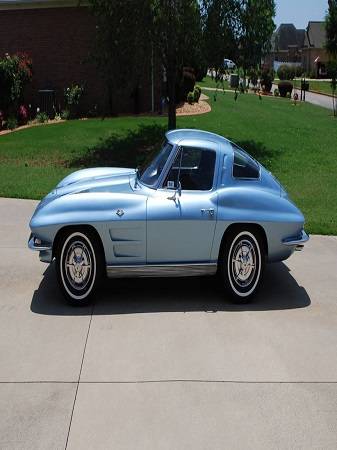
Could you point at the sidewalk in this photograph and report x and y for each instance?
(316, 99)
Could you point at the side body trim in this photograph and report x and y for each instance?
(162, 270)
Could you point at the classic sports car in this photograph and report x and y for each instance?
(203, 206)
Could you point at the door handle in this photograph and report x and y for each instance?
(209, 211)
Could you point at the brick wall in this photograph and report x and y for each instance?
(59, 41)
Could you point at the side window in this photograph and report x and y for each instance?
(244, 166)
(195, 169)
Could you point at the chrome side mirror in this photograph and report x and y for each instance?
(177, 191)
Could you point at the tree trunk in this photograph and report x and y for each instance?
(171, 88)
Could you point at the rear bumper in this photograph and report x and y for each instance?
(297, 242)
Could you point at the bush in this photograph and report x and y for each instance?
(186, 84)
(285, 88)
(42, 117)
(197, 93)
(15, 73)
(72, 97)
(253, 76)
(190, 97)
(65, 114)
(299, 71)
(23, 114)
(11, 122)
(286, 72)
(266, 80)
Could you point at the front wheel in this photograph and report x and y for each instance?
(241, 264)
(78, 266)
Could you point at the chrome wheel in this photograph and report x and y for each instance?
(78, 265)
(244, 262)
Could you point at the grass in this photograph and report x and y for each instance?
(297, 143)
(209, 83)
(321, 86)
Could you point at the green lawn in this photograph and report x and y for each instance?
(298, 143)
(208, 82)
(316, 86)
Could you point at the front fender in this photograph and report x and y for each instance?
(100, 211)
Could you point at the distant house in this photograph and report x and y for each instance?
(286, 46)
(314, 55)
(304, 48)
(58, 35)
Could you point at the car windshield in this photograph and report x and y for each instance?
(152, 172)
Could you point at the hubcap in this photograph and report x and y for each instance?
(243, 265)
(78, 265)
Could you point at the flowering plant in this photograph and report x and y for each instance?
(15, 73)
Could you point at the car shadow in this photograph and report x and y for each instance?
(279, 291)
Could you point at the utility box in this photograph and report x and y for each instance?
(234, 81)
(47, 102)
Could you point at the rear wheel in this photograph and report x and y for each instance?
(241, 264)
(79, 266)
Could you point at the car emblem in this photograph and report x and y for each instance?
(120, 212)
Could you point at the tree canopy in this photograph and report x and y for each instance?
(331, 29)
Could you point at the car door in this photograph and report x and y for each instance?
(181, 225)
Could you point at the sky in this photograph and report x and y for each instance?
(299, 12)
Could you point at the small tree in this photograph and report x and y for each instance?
(331, 46)
(256, 29)
(221, 29)
(176, 32)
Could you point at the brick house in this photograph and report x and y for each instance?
(287, 42)
(58, 35)
(314, 55)
(290, 45)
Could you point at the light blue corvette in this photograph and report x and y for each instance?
(203, 206)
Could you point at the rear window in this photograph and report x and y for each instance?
(244, 166)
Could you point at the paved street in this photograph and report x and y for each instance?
(166, 364)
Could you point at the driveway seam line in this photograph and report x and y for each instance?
(79, 377)
(169, 381)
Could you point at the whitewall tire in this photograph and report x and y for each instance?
(241, 263)
(78, 266)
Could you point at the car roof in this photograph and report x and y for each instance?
(191, 136)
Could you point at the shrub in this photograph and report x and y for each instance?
(72, 97)
(286, 72)
(285, 88)
(299, 71)
(266, 80)
(15, 73)
(65, 114)
(23, 114)
(197, 93)
(253, 76)
(190, 97)
(42, 117)
(186, 84)
(11, 122)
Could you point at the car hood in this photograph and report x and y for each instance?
(100, 179)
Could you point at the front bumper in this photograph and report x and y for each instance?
(297, 241)
(45, 248)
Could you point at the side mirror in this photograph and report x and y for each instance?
(177, 191)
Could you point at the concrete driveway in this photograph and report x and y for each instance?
(166, 364)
